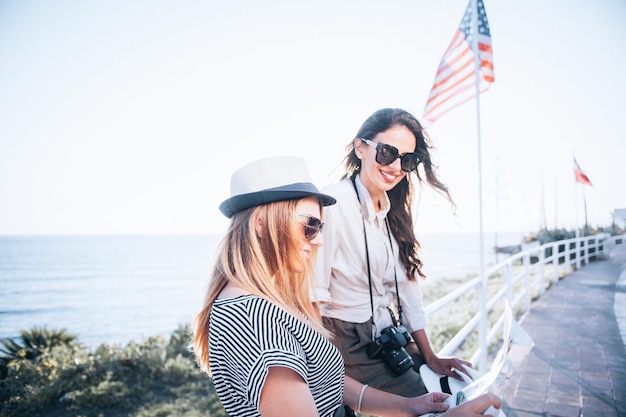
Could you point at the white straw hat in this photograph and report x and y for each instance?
(268, 180)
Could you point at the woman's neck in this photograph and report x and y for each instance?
(232, 291)
(377, 196)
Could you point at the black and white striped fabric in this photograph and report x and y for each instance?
(249, 334)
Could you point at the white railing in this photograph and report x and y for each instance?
(518, 279)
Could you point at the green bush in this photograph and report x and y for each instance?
(47, 373)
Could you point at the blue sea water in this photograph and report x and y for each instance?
(447, 255)
(114, 289)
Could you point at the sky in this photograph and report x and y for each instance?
(130, 116)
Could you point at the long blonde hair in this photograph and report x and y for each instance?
(260, 253)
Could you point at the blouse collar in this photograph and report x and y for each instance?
(367, 204)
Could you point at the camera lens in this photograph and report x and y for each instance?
(398, 360)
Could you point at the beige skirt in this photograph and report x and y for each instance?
(352, 340)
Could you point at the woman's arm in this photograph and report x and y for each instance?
(442, 366)
(285, 393)
(382, 403)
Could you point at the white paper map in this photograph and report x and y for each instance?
(515, 348)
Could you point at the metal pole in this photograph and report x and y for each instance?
(482, 296)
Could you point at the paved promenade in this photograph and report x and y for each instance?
(578, 364)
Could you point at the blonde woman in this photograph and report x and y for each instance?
(258, 335)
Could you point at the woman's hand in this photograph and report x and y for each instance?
(441, 366)
(432, 402)
(381, 403)
(475, 407)
(446, 366)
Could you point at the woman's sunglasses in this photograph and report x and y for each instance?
(312, 227)
(386, 154)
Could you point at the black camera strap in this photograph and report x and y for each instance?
(369, 270)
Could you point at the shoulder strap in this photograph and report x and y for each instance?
(395, 277)
(369, 271)
(367, 258)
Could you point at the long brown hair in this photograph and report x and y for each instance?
(401, 196)
(260, 254)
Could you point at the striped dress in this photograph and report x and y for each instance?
(248, 334)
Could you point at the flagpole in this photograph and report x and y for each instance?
(586, 225)
(577, 224)
(556, 204)
(451, 88)
(577, 228)
(544, 221)
(482, 328)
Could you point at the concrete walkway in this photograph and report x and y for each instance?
(578, 364)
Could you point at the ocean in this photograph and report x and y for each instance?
(117, 289)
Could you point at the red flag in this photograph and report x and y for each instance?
(580, 175)
(455, 80)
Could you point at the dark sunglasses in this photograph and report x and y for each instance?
(386, 154)
(312, 227)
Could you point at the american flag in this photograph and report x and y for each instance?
(580, 175)
(455, 82)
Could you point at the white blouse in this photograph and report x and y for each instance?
(341, 280)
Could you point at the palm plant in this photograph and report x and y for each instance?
(30, 345)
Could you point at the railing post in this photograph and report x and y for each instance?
(482, 326)
(508, 283)
(527, 281)
(555, 261)
(578, 247)
(542, 275)
(582, 249)
(601, 248)
(569, 253)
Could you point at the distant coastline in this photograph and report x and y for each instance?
(118, 288)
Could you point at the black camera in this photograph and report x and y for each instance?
(390, 346)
